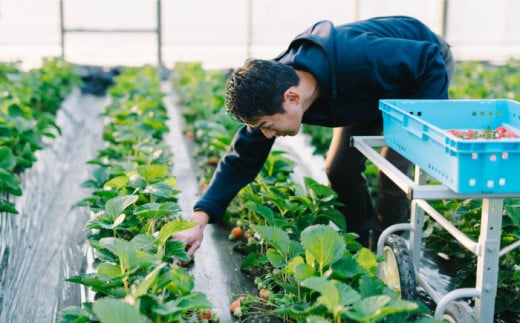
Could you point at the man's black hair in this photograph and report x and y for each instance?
(256, 89)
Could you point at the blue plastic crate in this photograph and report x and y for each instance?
(419, 130)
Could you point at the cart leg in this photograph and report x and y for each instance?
(417, 221)
(488, 258)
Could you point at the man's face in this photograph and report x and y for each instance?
(281, 124)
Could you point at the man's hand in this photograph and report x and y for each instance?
(193, 237)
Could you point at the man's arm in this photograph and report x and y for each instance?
(244, 160)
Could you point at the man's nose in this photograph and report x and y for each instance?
(269, 133)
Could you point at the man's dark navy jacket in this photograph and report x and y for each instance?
(356, 65)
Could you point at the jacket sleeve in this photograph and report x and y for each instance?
(408, 67)
(244, 160)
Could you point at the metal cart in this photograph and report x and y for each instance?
(487, 248)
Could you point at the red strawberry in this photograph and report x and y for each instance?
(236, 233)
(264, 293)
(205, 315)
(213, 161)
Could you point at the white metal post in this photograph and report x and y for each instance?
(488, 258)
(417, 220)
(249, 27)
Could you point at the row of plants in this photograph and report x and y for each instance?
(29, 104)
(304, 269)
(134, 212)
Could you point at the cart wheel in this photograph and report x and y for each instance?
(458, 312)
(397, 268)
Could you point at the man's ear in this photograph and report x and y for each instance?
(291, 96)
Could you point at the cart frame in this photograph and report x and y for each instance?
(487, 248)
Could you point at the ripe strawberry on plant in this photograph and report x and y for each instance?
(235, 307)
(264, 293)
(213, 161)
(204, 315)
(247, 236)
(236, 233)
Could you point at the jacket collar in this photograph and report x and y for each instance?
(321, 34)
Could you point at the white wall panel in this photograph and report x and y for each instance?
(222, 33)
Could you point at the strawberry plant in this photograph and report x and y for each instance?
(479, 80)
(200, 91)
(465, 214)
(316, 276)
(287, 205)
(30, 101)
(320, 138)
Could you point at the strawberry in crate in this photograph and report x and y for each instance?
(497, 133)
